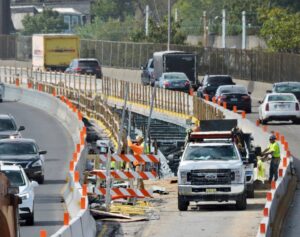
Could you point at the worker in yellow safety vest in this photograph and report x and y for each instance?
(272, 150)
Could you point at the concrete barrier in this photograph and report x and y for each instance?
(72, 193)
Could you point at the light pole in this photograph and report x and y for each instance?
(169, 24)
(244, 30)
(223, 29)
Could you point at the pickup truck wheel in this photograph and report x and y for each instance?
(250, 192)
(30, 220)
(182, 204)
(41, 179)
(241, 202)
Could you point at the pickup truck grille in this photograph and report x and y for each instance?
(211, 177)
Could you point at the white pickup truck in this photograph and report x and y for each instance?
(211, 169)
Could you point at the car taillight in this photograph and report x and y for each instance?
(166, 84)
(297, 106)
(77, 69)
(98, 68)
(267, 107)
(245, 97)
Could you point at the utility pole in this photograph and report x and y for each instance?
(169, 24)
(5, 17)
(147, 21)
(243, 30)
(223, 29)
(205, 30)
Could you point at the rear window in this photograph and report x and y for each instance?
(281, 98)
(287, 88)
(88, 63)
(175, 76)
(15, 177)
(12, 149)
(220, 80)
(239, 90)
(7, 125)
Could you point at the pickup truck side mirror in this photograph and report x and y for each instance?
(21, 128)
(42, 152)
(142, 67)
(260, 102)
(268, 91)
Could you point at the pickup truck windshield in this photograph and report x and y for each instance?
(213, 152)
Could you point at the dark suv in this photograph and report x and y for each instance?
(26, 153)
(147, 75)
(210, 84)
(89, 66)
(8, 127)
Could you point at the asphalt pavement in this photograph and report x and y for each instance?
(53, 137)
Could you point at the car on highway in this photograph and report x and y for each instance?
(26, 153)
(18, 179)
(1, 92)
(8, 127)
(210, 84)
(89, 66)
(147, 75)
(176, 81)
(234, 95)
(280, 107)
(287, 87)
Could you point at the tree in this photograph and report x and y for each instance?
(46, 22)
(158, 33)
(281, 29)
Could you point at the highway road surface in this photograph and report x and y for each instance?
(51, 136)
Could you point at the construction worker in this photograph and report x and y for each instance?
(273, 150)
(138, 149)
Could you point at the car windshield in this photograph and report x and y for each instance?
(288, 88)
(213, 152)
(281, 98)
(175, 77)
(6, 125)
(15, 177)
(88, 63)
(17, 148)
(219, 80)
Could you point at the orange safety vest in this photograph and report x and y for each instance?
(137, 150)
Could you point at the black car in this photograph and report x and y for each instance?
(26, 153)
(287, 87)
(210, 84)
(147, 75)
(89, 66)
(8, 127)
(234, 95)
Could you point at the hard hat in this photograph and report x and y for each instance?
(272, 137)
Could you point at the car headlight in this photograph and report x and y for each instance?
(24, 196)
(14, 136)
(238, 176)
(184, 177)
(37, 163)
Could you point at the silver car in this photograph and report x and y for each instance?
(279, 106)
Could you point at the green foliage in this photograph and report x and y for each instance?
(110, 30)
(113, 9)
(46, 22)
(158, 33)
(281, 29)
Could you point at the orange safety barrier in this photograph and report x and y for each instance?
(266, 212)
(17, 82)
(84, 129)
(225, 105)
(277, 134)
(257, 122)
(40, 87)
(269, 196)
(78, 148)
(43, 233)
(84, 189)
(214, 100)
(206, 97)
(219, 103)
(71, 165)
(234, 109)
(76, 176)
(265, 128)
(280, 172)
(29, 85)
(282, 139)
(79, 115)
(273, 184)
(284, 162)
(262, 228)
(288, 153)
(243, 114)
(75, 156)
(191, 91)
(82, 203)
(286, 145)
(53, 92)
(66, 218)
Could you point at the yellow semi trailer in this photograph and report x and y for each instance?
(54, 51)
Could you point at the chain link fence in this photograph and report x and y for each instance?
(252, 65)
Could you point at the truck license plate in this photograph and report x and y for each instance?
(211, 190)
